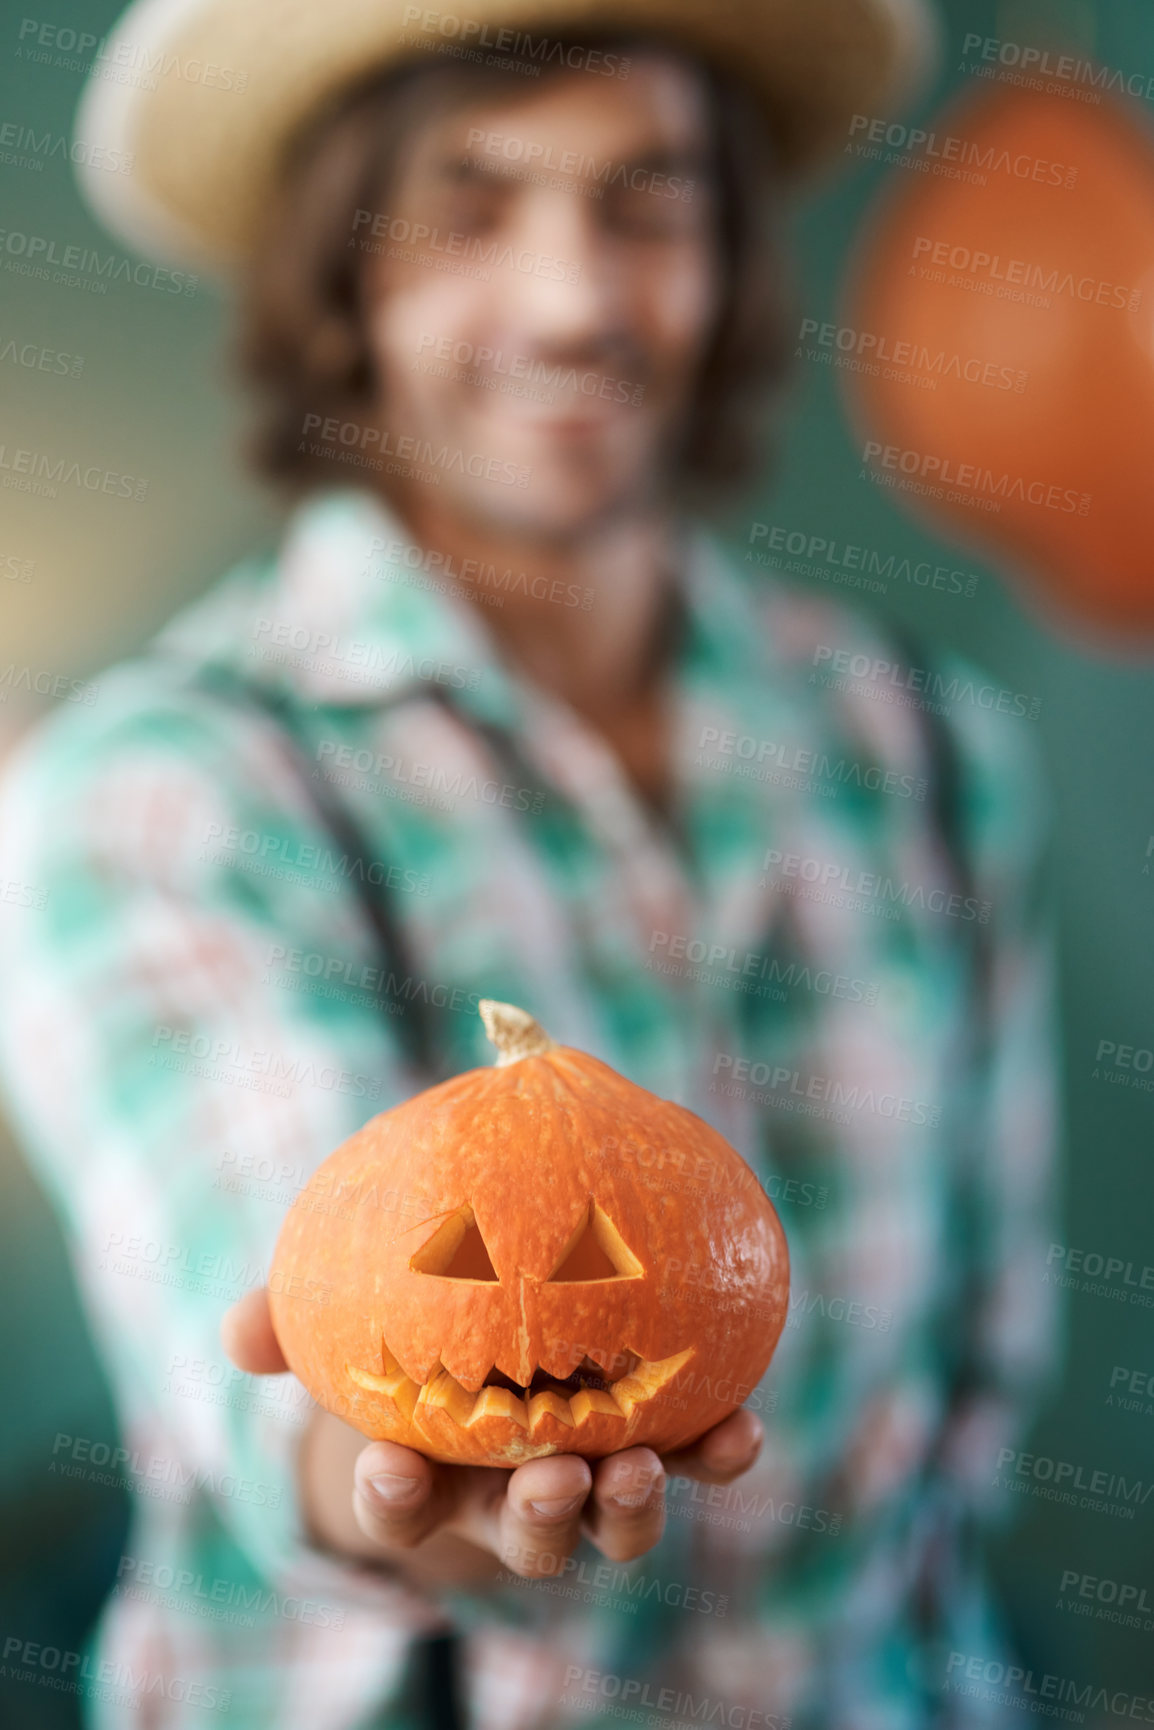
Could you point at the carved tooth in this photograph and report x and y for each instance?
(417, 1373)
(603, 1361)
(629, 1393)
(445, 1391)
(465, 1406)
(405, 1393)
(646, 1380)
(374, 1384)
(591, 1400)
(500, 1403)
(542, 1404)
(398, 1386)
(655, 1374)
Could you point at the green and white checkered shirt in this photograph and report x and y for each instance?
(835, 952)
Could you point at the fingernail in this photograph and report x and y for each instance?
(638, 1491)
(555, 1510)
(396, 1491)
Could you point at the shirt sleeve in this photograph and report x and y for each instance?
(176, 1067)
(1009, 1177)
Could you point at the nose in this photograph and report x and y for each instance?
(564, 290)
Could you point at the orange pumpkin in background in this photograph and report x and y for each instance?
(999, 355)
(534, 1258)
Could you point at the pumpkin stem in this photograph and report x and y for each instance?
(513, 1031)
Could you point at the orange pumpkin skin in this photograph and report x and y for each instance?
(563, 1167)
(1080, 409)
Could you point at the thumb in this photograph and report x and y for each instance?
(246, 1333)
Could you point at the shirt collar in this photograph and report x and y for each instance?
(360, 615)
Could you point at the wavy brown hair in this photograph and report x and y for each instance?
(301, 341)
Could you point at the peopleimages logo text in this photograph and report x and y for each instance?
(1025, 273)
(966, 1672)
(40, 251)
(1038, 64)
(972, 478)
(878, 671)
(545, 50)
(949, 147)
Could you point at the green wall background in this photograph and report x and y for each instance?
(152, 399)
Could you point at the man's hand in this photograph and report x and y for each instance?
(455, 1524)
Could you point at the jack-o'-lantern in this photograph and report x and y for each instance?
(531, 1258)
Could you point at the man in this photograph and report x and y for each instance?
(347, 795)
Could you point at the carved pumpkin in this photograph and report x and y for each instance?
(534, 1258)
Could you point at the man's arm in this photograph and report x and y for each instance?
(172, 1093)
(198, 1100)
(1010, 1174)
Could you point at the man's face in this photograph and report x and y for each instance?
(542, 326)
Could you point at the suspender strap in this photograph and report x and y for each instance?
(436, 1673)
(414, 1025)
(435, 1661)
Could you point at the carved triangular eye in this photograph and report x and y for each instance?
(456, 1250)
(596, 1251)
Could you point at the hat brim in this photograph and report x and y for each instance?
(204, 95)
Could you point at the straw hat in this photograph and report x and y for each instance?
(205, 94)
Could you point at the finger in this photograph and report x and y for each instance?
(723, 1452)
(248, 1337)
(626, 1512)
(399, 1497)
(539, 1519)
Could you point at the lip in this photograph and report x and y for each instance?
(564, 427)
(573, 426)
(570, 420)
(442, 1392)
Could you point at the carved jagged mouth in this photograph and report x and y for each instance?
(571, 1400)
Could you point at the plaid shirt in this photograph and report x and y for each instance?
(194, 1013)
